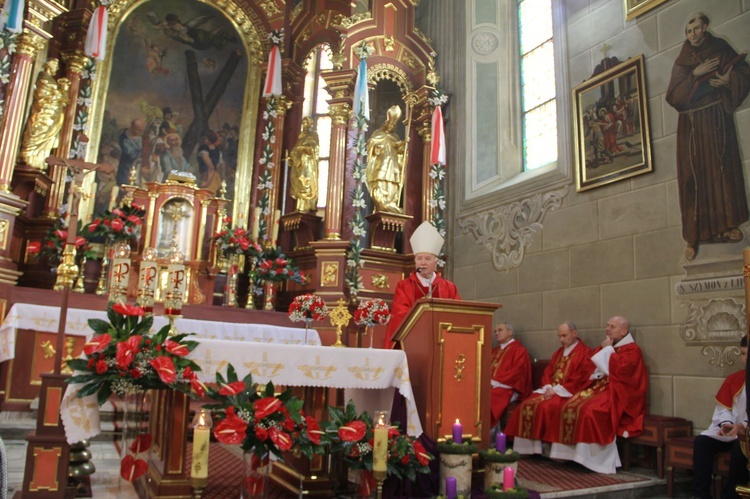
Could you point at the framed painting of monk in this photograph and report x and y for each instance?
(634, 8)
(612, 139)
(174, 87)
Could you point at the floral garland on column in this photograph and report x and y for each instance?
(357, 133)
(7, 49)
(266, 158)
(81, 123)
(437, 173)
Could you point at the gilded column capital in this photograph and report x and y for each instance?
(283, 104)
(424, 130)
(76, 62)
(29, 44)
(340, 113)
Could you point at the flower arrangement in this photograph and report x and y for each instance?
(54, 244)
(451, 447)
(495, 456)
(123, 357)
(123, 224)
(308, 308)
(275, 266)
(371, 312)
(354, 437)
(236, 241)
(261, 421)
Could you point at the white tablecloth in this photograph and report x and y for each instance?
(288, 365)
(46, 318)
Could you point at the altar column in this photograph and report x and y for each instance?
(75, 64)
(428, 183)
(340, 84)
(16, 98)
(282, 106)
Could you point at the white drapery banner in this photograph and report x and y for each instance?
(289, 365)
(46, 319)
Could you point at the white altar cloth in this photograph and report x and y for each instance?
(288, 365)
(46, 318)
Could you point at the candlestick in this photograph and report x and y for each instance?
(458, 431)
(508, 478)
(118, 286)
(500, 442)
(147, 280)
(450, 487)
(175, 290)
(201, 439)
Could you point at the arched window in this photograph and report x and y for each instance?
(315, 106)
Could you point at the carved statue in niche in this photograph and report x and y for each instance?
(386, 163)
(303, 167)
(47, 115)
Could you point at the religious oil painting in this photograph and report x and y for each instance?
(612, 140)
(634, 8)
(174, 99)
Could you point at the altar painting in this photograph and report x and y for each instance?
(176, 88)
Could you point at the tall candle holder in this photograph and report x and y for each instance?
(147, 278)
(101, 285)
(380, 450)
(250, 304)
(176, 282)
(121, 264)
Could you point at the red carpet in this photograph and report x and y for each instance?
(544, 475)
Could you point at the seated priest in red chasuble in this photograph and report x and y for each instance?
(536, 418)
(511, 372)
(425, 281)
(613, 403)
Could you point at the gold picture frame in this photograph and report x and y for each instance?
(635, 8)
(612, 136)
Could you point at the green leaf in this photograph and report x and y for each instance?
(269, 389)
(104, 394)
(91, 388)
(231, 374)
(99, 326)
(159, 337)
(78, 364)
(144, 326)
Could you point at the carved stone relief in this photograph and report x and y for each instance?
(716, 325)
(506, 231)
(485, 43)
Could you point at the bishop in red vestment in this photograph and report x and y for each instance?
(614, 403)
(425, 281)
(511, 371)
(537, 416)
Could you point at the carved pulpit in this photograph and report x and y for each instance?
(449, 347)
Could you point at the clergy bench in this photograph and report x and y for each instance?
(679, 455)
(537, 372)
(657, 431)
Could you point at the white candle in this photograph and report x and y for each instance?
(380, 449)
(256, 223)
(201, 441)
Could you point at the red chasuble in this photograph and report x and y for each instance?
(610, 406)
(730, 388)
(536, 418)
(511, 366)
(410, 290)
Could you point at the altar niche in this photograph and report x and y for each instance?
(178, 81)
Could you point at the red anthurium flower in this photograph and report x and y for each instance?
(62, 234)
(313, 430)
(33, 247)
(230, 430)
(141, 443)
(393, 432)
(175, 348)
(164, 367)
(131, 469)
(80, 241)
(118, 212)
(282, 439)
(232, 388)
(117, 225)
(129, 310)
(353, 431)
(239, 232)
(197, 386)
(101, 367)
(134, 219)
(126, 351)
(93, 225)
(266, 406)
(422, 456)
(97, 343)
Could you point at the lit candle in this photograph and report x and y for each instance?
(118, 288)
(450, 488)
(147, 280)
(380, 450)
(500, 442)
(458, 431)
(508, 478)
(176, 283)
(201, 440)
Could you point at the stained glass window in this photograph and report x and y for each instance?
(537, 83)
(316, 107)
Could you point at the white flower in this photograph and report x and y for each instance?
(433, 203)
(358, 231)
(442, 204)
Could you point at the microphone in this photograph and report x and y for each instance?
(419, 270)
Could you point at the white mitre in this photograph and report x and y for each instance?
(426, 239)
